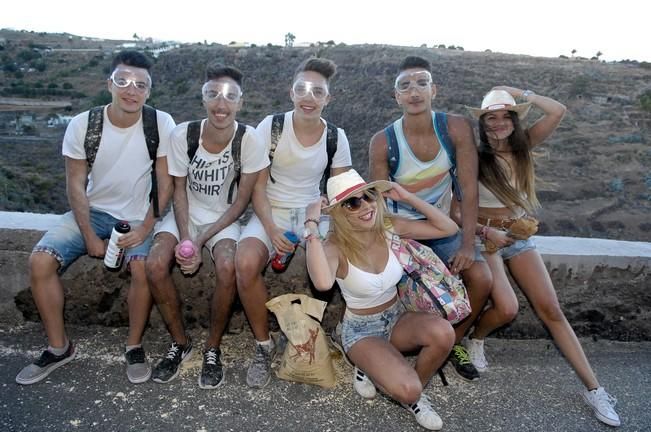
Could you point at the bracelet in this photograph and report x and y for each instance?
(483, 233)
(525, 94)
(316, 221)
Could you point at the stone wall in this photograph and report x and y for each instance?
(603, 287)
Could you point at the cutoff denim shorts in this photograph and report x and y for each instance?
(66, 243)
(518, 247)
(357, 327)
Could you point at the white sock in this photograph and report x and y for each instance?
(269, 343)
(130, 347)
(59, 351)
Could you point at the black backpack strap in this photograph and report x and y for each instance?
(192, 138)
(277, 123)
(236, 150)
(93, 134)
(332, 139)
(150, 127)
(393, 156)
(441, 129)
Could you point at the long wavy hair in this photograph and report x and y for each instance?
(343, 234)
(492, 174)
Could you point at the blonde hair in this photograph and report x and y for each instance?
(343, 234)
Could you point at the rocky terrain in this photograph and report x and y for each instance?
(595, 171)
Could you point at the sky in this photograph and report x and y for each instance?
(542, 28)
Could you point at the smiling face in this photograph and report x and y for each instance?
(310, 94)
(414, 90)
(129, 87)
(498, 125)
(222, 98)
(361, 209)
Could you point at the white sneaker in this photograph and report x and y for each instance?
(363, 385)
(475, 349)
(603, 405)
(425, 414)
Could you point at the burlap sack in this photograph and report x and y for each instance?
(523, 228)
(306, 357)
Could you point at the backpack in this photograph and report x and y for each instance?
(332, 137)
(428, 285)
(192, 137)
(441, 130)
(150, 127)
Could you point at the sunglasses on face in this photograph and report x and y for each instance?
(355, 203)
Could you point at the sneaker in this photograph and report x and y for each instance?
(603, 405)
(475, 348)
(212, 371)
(363, 385)
(463, 367)
(425, 414)
(335, 341)
(138, 369)
(259, 372)
(168, 368)
(44, 365)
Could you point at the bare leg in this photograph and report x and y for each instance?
(157, 266)
(48, 296)
(433, 335)
(504, 307)
(140, 301)
(478, 282)
(528, 269)
(225, 290)
(251, 257)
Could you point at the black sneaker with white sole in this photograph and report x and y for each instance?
(463, 367)
(212, 371)
(45, 365)
(168, 368)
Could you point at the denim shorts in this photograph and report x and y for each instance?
(357, 327)
(515, 249)
(288, 219)
(446, 247)
(66, 243)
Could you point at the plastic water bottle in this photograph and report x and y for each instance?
(114, 254)
(186, 249)
(280, 262)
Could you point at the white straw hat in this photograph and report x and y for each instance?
(496, 100)
(343, 185)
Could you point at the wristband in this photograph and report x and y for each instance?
(316, 221)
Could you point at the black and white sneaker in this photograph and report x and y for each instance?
(44, 365)
(168, 368)
(462, 365)
(212, 371)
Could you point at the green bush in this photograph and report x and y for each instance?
(645, 101)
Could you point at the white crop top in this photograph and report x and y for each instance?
(363, 290)
(487, 199)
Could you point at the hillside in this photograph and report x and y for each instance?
(597, 165)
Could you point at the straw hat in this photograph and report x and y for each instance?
(496, 100)
(342, 186)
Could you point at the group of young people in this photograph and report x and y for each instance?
(429, 182)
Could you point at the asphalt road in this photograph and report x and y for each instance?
(529, 387)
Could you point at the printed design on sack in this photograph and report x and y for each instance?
(208, 177)
(307, 347)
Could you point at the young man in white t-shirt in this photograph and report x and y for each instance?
(204, 181)
(281, 196)
(115, 188)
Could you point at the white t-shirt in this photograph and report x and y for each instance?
(297, 170)
(209, 175)
(119, 181)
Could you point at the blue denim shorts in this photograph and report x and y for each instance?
(357, 327)
(66, 243)
(515, 249)
(446, 247)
